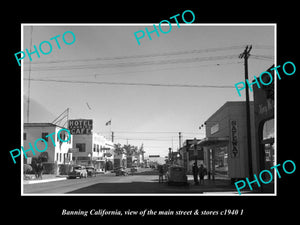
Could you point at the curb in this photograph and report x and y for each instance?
(43, 181)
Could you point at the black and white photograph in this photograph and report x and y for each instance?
(163, 117)
(142, 113)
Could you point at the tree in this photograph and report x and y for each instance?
(130, 150)
(141, 151)
(43, 157)
(118, 149)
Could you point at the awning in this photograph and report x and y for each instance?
(214, 141)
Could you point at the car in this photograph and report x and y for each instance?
(133, 169)
(91, 172)
(176, 175)
(77, 171)
(120, 171)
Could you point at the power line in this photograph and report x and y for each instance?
(155, 132)
(121, 73)
(137, 64)
(132, 84)
(173, 53)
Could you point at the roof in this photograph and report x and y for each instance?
(41, 125)
(214, 141)
(229, 103)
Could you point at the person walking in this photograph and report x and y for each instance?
(202, 173)
(195, 173)
(40, 170)
(160, 174)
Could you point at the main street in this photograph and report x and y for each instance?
(144, 181)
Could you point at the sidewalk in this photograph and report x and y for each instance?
(46, 178)
(209, 186)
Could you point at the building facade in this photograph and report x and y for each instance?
(57, 151)
(264, 112)
(93, 149)
(225, 146)
(188, 155)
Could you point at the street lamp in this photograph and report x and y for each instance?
(170, 156)
(195, 150)
(90, 156)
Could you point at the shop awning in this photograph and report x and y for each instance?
(214, 141)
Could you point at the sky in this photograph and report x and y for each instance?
(143, 93)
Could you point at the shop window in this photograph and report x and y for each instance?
(81, 147)
(221, 161)
(268, 129)
(268, 143)
(44, 136)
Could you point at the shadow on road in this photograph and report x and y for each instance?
(132, 187)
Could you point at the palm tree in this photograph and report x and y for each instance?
(141, 151)
(118, 149)
(130, 150)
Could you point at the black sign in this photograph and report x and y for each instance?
(80, 126)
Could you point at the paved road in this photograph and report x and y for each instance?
(142, 182)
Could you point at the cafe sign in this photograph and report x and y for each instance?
(80, 126)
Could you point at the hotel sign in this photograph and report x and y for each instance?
(80, 126)
(234, 138)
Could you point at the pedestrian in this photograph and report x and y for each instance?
(195, 173)
(202, 173)
(160, 174)
(36, 169)
(40, 170)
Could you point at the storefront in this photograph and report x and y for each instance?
(225, 146)
(264, 123)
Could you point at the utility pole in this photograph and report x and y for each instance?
(179, 140)
(112, 136)
(246, 55)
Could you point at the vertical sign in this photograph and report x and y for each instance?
(234, 138)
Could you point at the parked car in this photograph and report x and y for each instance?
(176, 175)
(120, 171)
(77, 171)
(91, 172)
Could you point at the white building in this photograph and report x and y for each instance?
(93, 149)
(58, 151)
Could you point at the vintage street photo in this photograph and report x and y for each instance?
(149, 109)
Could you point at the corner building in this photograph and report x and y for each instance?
(225, 146)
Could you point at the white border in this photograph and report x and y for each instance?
(150, 24)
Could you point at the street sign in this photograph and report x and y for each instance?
(154, 156)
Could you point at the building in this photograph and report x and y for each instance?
(120, 160)
(264, 123)
(57, 151)
(188, 155)
(225, 149)
(89, 147)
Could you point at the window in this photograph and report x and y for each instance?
(97, 148)
(57, 156)
(94, 149)
(24, 136)
(44, 136)
(268, 129)
(81, 147)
